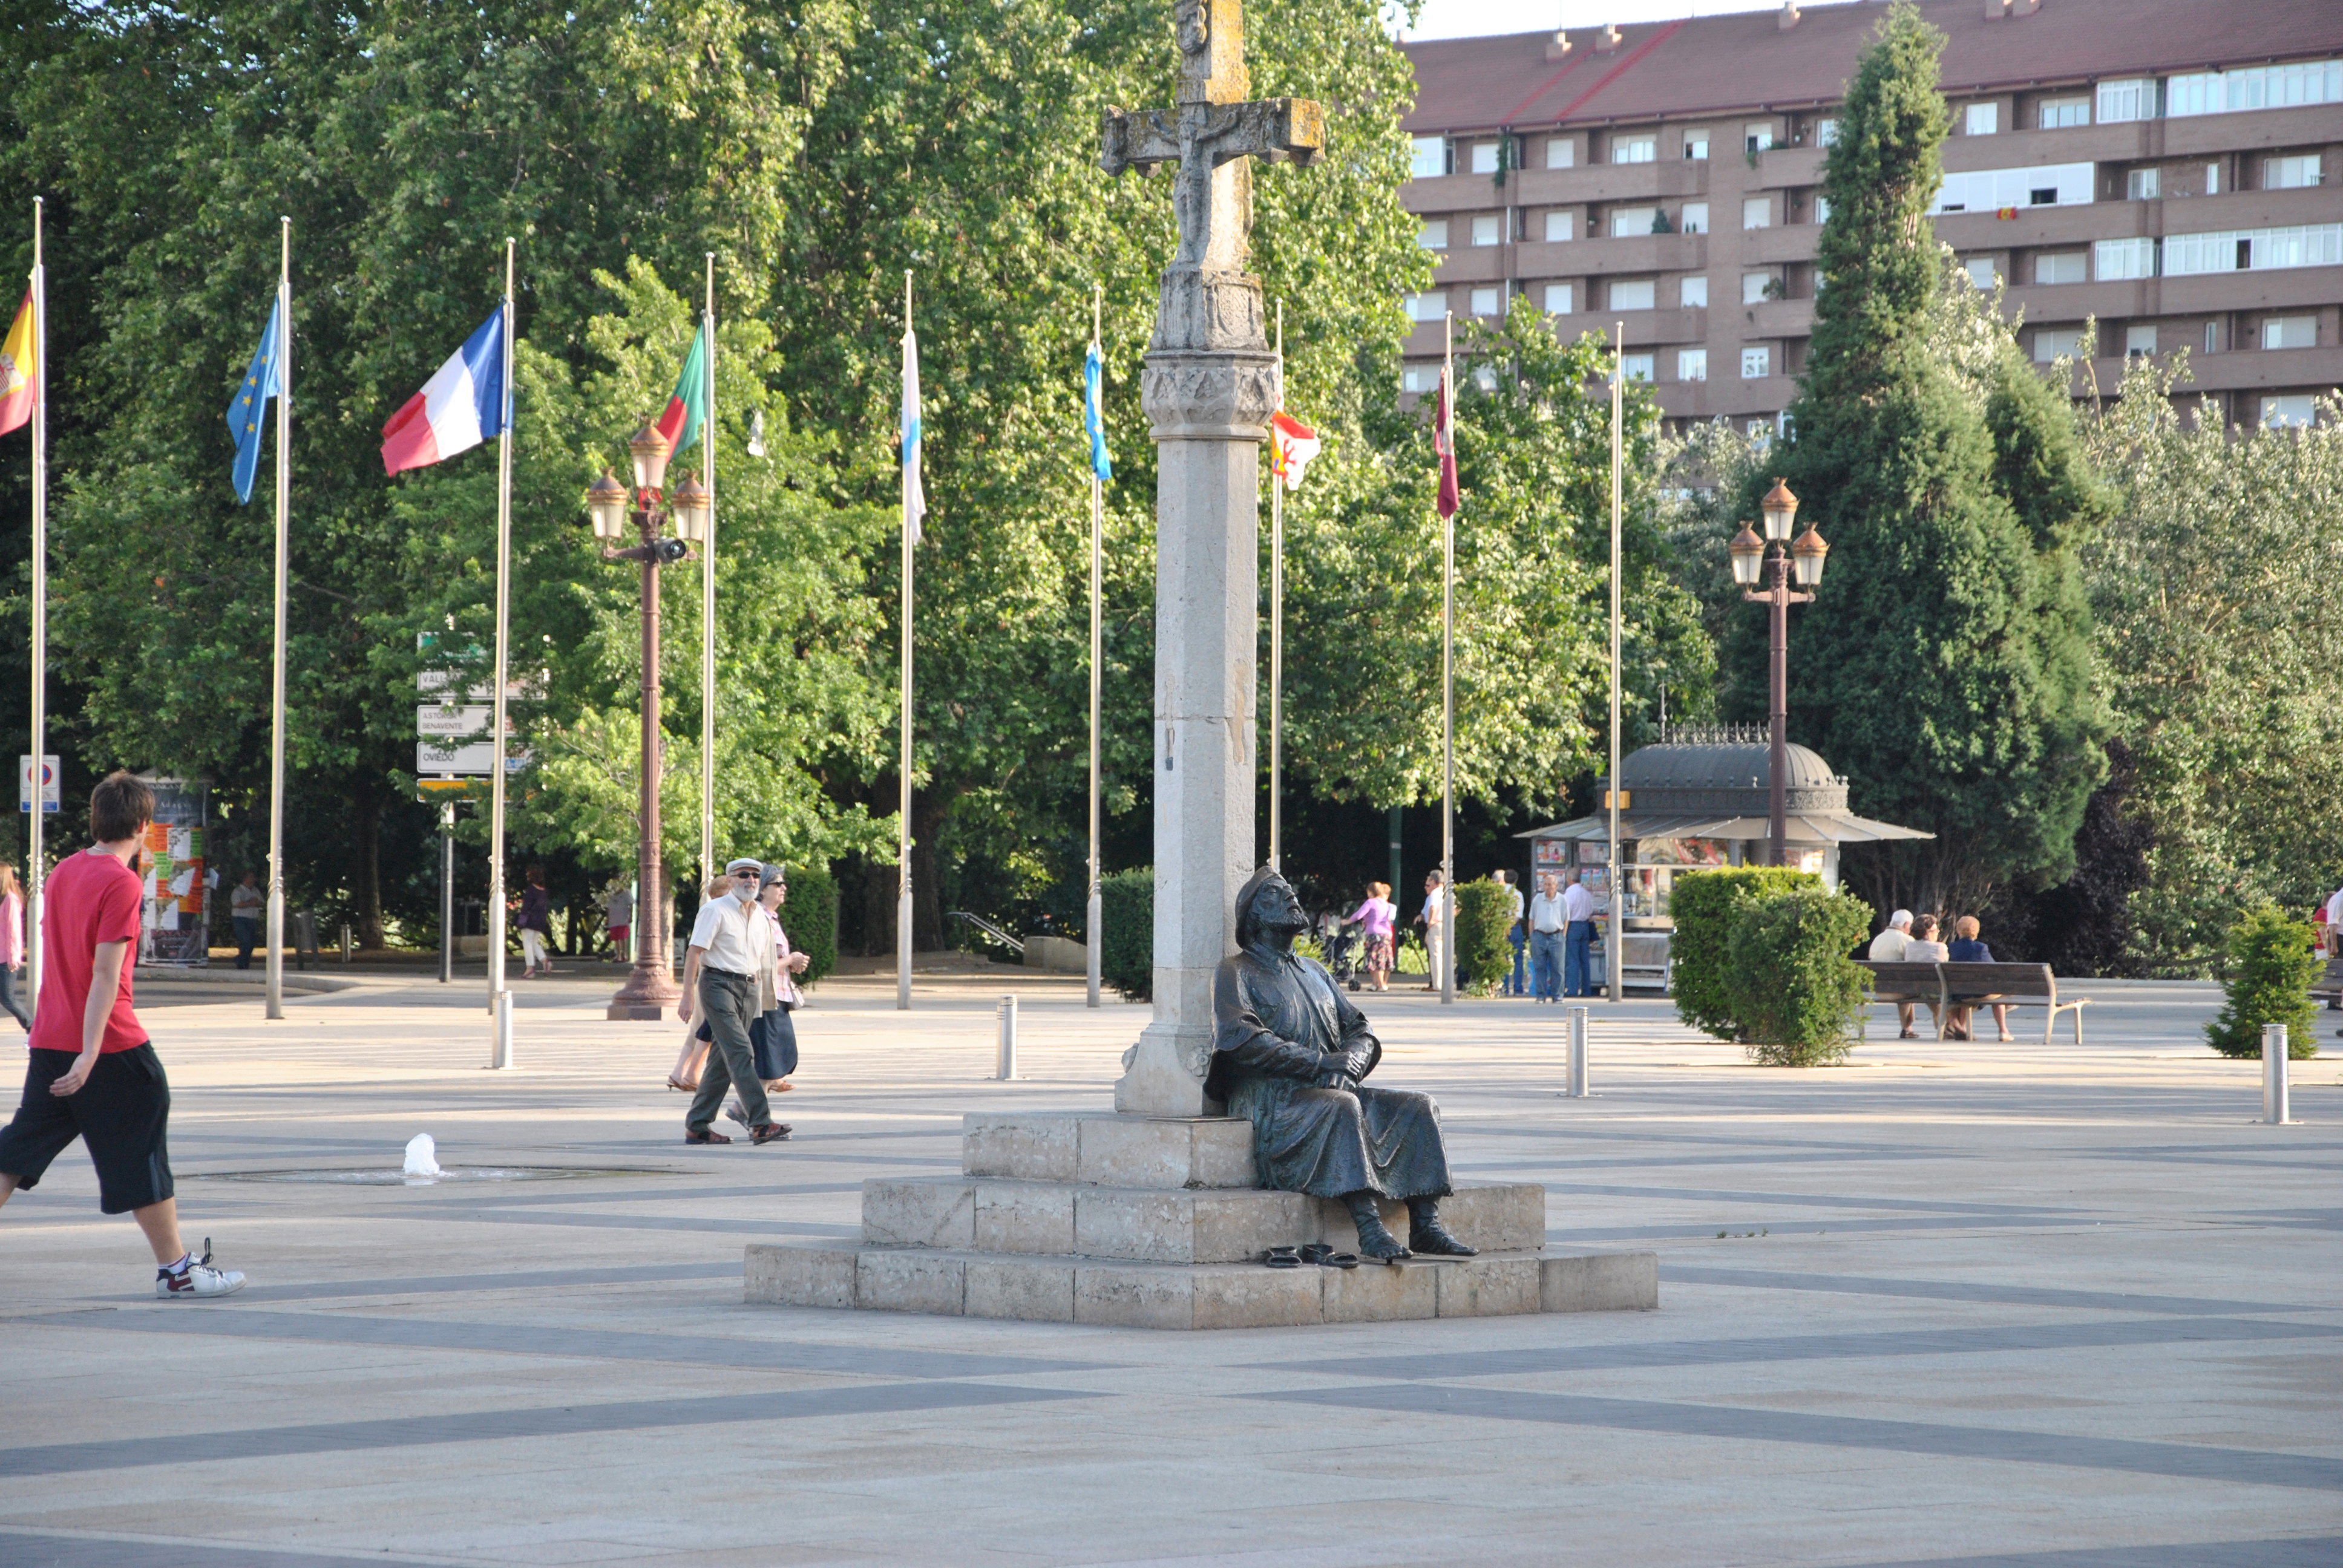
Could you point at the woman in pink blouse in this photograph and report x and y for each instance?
(12, 943)
(1378, 914)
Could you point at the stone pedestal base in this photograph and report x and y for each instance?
(1155, 1222)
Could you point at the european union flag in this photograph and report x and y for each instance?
(249, 410)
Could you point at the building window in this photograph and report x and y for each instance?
(2133, 98)
(2289, 174)
(1822, 209)
(1484, 158)
(1430, 158)
(1430, 306)
(2260, 87)
(2056, 342)
(2212, 337)
(1983, 273)
(1757, 137)
(2058, 114)
(2288, 410)
(1636, 149)
(1990, 190)
(1561, 152)
(1633, 293)
(1692, 293)
(1759, 431)
(1826, 132)
(1486, 377)
(1627, 222)
(1434, 234)
(1419, 378)
(2144, 184)
(1695, 145)
(2115, 260)
(1756, 364)
(1693, 218)
(1756, 212)
(1487, 228)
(1635, 367)
(1755, 287)
(2289, 332)
(1560, 227)
(2212, 179)
(2060, 267)
(1558, 298)
(2139, 342)
(1981, 120)
(1488, 302)
(2253, 250)
(1692, 364)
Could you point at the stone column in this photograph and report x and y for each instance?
(1210, 386)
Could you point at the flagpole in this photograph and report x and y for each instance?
(1447, 955)
(273, 1001)
(500, 999)
(35, 876)
(1277, 621)
(1614, 941)
(903, 835)
(707, 597)
(1093, 909)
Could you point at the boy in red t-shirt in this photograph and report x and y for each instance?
(93, 1074)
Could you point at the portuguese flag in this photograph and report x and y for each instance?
(687, 406)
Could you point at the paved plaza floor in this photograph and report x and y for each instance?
(1978, 1304)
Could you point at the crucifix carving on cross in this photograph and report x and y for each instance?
(1208, 301)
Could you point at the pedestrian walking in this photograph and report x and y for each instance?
(93, 1073)
(724, 972)
(686, 1076)
(773, 1036)
(244, 905)
(1515, 933)
(619, 918)
(1434, 930)
(1578, 937)
(1549, 926)
(1888, 947)
(536, 924)
(12, 943)
(1379, 917)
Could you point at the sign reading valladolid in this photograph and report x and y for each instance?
(454, 713)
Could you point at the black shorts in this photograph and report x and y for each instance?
(120, 1114)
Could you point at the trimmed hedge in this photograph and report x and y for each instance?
(1484, 915)
(810, 919)
(1127, 937)
(1796, 993)
(2267, 979)
(1701, 904)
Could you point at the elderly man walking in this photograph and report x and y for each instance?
(728, 968)
(1548, 924)
(1888, 947)
(1578, 939)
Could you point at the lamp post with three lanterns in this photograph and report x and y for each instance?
(650, 988)
(1803, 558)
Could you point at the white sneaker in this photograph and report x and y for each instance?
(198, 1279)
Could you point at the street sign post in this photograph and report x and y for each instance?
(50, 799)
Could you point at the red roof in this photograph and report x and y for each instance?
(1747, 61)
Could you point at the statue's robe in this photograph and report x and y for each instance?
(1275, 1017)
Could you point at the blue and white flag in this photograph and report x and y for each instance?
(249, 412)
(1093, 418)
(915, 499)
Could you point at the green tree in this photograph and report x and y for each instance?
(2266, 980)
(1946, 666)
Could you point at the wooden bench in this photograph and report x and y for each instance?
(1950, 985)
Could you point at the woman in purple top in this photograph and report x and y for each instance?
(1378, 914)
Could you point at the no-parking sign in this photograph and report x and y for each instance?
(49, 797)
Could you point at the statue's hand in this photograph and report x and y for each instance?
(1334, 1070)
(1357, 1062)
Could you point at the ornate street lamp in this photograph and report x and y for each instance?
(650, 987)
(1750, 556)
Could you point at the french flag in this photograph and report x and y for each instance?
(460, 406)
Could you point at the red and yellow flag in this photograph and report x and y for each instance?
(20, 369)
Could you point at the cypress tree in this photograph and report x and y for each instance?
(1945, 667)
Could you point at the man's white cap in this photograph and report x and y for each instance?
(1900, 918)
(750, 864)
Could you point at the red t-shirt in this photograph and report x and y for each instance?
(88, 900)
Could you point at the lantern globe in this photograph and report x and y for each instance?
(1748, 554)
(1806, 558)
(651, 452)
(691, 505)
(606, 507)
(1781, 510)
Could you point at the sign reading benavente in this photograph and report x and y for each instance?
(453, 719)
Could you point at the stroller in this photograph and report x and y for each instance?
(1342, 952)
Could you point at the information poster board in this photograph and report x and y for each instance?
(175, 929)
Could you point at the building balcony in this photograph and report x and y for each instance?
(1787, 168)
(1726, 397)
(1609, 257)
(1793, 242)
(2245, 370)
(2145, 141)
(2149, 298)
(1611, 182)
(1444, 193)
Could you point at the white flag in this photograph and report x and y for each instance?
(915, 499)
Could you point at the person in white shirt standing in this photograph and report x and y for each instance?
(1888, 947)
(1548, 924)
(728, 967)
(1578, 939)
(1515, 934)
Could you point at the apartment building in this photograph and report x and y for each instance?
(2170, 168)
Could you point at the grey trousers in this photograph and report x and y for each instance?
(726, 1003)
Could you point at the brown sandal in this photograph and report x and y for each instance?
(772, 1132)
(705, 1135)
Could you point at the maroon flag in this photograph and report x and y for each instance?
(1443, 441)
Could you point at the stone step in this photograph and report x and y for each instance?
(1143, 1225)
(1110, 1149)
(1071, 1290)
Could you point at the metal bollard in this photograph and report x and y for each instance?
(346, 941)
(1577, 1053)
(1008, 1039)
(2274, 1075)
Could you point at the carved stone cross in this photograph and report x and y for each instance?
(1208, 302)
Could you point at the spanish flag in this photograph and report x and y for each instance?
(20, 370)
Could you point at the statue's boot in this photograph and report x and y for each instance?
(1375, 1240)
(1427, 1235)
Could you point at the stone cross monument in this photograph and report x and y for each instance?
(1210, 386)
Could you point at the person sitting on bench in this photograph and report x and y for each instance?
(1966, 950)
(1923, 948)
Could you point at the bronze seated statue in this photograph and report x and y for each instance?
(1290, 1054)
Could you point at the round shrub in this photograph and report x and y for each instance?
(810, 918)
(1701, 905)
(1127, 933)
(2267, 980)
(1485, 914)
(1796, 993)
